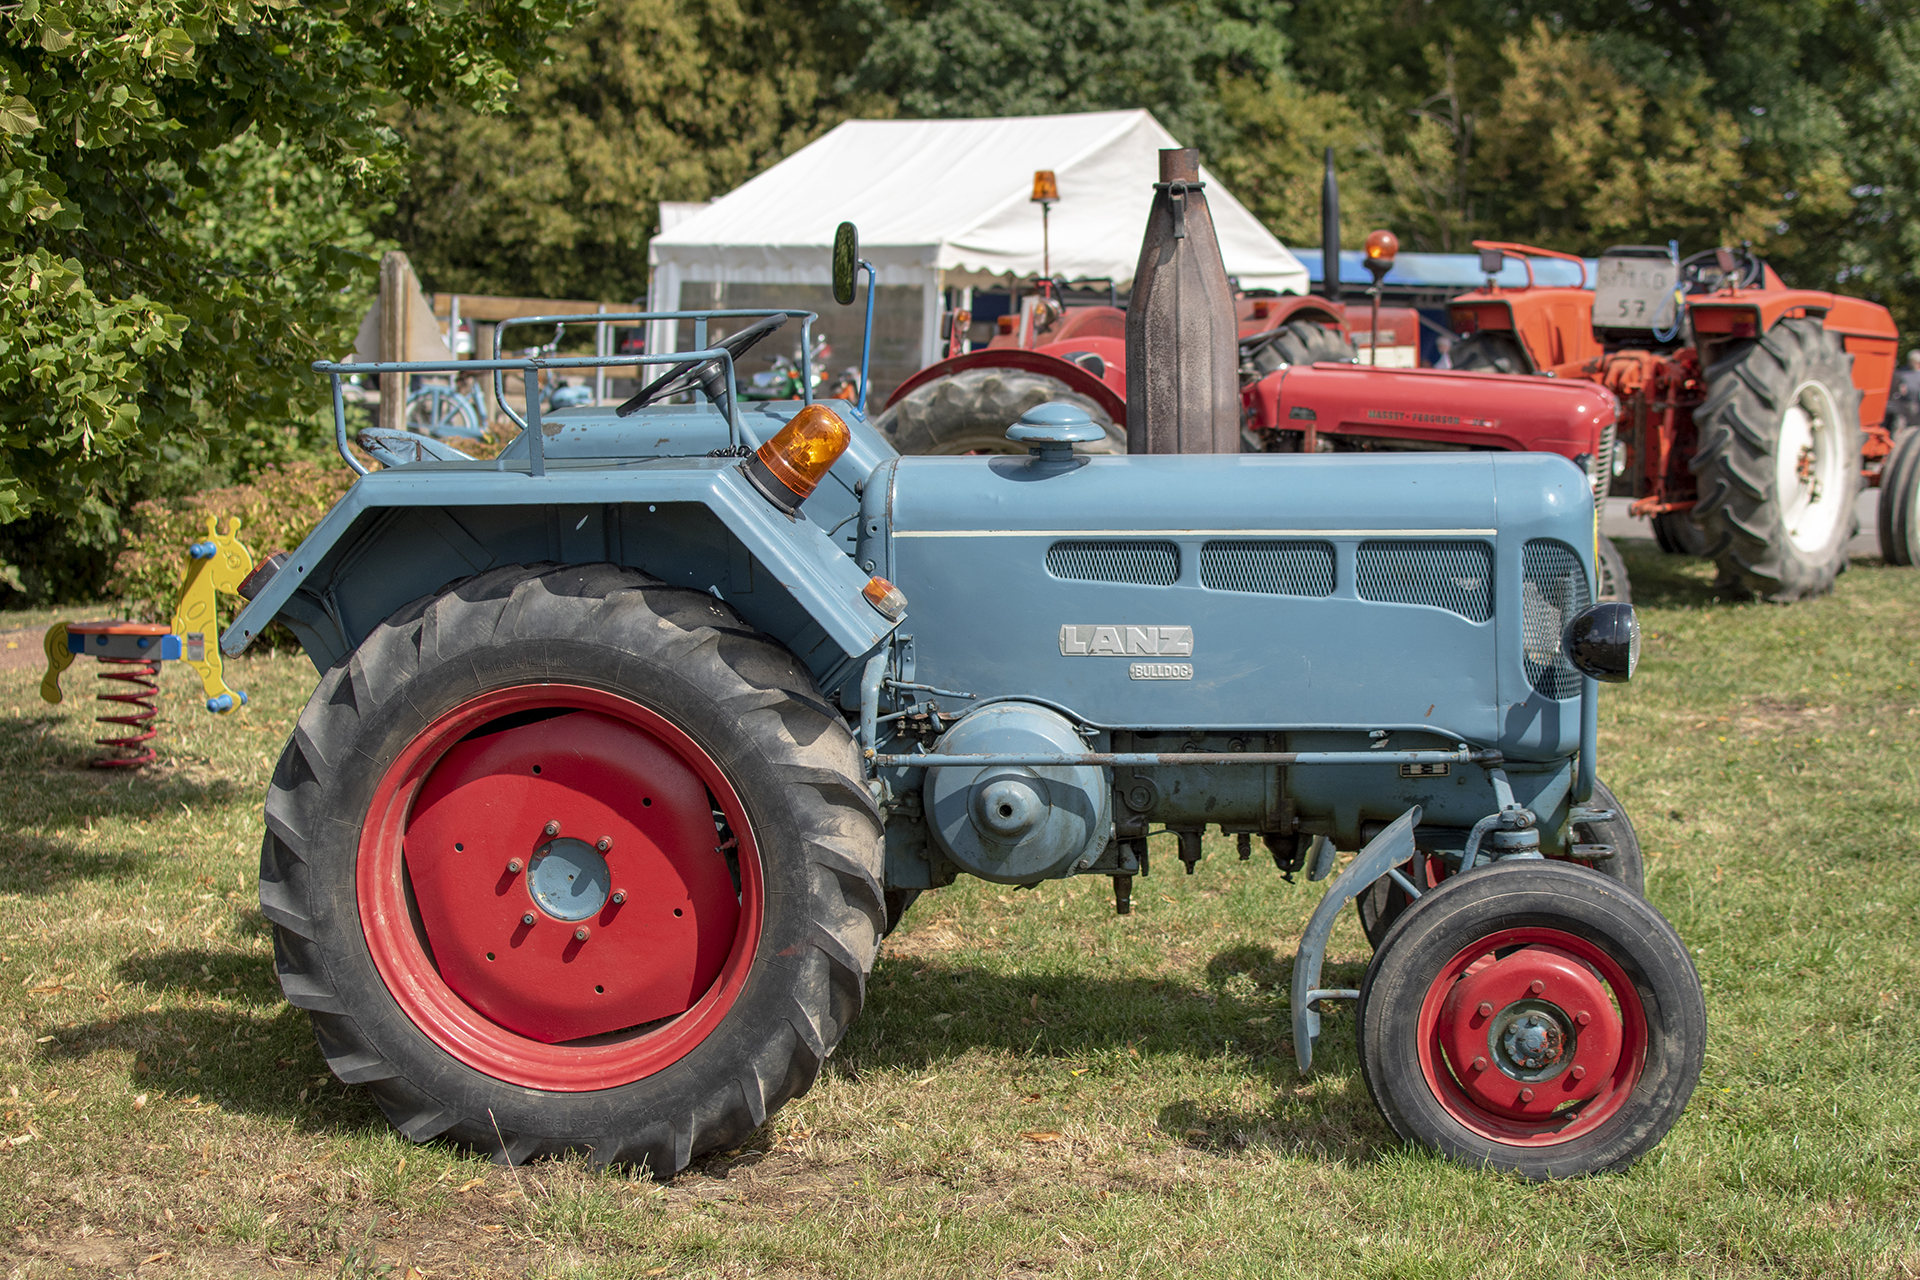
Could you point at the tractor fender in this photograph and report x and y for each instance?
(399, 535)
(1075, 377)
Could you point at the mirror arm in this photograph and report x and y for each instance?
(866, 336)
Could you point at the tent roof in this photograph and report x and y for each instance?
(952, 195)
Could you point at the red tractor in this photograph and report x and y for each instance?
(1053, 348)
(1750, 413)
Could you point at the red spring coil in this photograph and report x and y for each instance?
(143, 674)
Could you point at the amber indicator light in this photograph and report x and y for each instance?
(803, 451)
(885, 597)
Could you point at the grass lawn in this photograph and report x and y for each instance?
(1037, 1086)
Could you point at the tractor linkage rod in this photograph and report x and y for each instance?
(1122, 759)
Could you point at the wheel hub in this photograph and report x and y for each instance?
(554, 935)
(1531, 1033)
(1809, 470)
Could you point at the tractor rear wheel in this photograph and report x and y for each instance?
(1678, 535)
(1380, 903)
(562, 858)
(1491, 351)
(1532, 1017)
(1778, 461)
(1900, 501)
(970, 411)
(1296, 342)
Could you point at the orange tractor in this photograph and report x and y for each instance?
(1751, 413)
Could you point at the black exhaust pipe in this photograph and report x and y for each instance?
(1330, 233)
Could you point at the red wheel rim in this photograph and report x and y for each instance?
(1505, 1050)
(442, 906)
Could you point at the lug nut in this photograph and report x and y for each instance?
(1583, 1017)
(619, 896)
(604, 843)
(553, 828)
(1526, 1095)
(1479, 1064)
(514, 866)
(527, 918)
(1536, 986)
(1486, 1009)
(1579, 1073)
(580, 934)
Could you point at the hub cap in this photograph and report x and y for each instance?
(1532, 1036)
(559, 887)
(1810, 471)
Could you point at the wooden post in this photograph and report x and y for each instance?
(396, 300)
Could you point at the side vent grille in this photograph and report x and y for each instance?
(1270, 568)
(1553, 587)
(1455, 576)
(1147, 564)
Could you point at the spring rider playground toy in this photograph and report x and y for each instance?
(131, 652)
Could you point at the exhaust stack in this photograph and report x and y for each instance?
(1182, 343)
(1330, 233)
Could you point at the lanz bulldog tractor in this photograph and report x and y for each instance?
(632, 744)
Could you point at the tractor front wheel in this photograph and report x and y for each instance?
(562, 858)
(970, 411)
(1778, 461)
(1535, 1018)
(1899, 518)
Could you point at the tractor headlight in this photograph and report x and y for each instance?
(1603, 641)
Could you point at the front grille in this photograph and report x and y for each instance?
(1553, 587)
(1148, 564)
(1455, 576)
(1270, 568)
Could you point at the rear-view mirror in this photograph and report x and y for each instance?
(846, 262)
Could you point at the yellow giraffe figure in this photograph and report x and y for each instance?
(220, 563)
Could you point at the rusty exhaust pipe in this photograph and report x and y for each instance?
(1183, 395)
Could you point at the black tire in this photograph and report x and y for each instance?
(1381, 903)
(1491, 351)
(1296, 342)
(1614, 583)
(741, 699)
(1778, 526)
(970, 411)
(1899, 517)
(1581, 933)
(1678, 535)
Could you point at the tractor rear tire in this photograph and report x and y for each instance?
(1491, 352)
(1678, 535)
(970, 411)
(1899, 519)
(1297, 342)
(1534, 1018)
(1778, 461)
(630, 692)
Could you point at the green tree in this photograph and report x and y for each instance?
(180, 192)
(646, 100)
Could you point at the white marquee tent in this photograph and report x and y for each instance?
(945, 204)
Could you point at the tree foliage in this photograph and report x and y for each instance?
(184, 187)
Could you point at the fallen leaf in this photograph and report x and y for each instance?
(468, 1186)
(485, 1227)
(414, 1273)
(270, 1219)
(139, 1101)
(43, 1040)
(401, 1167)
(921, 1084)
(1196, 1133)
(1041, 1135)
(655, 1271)
(1080, 1072)
(156, 1257)
(21, 1140)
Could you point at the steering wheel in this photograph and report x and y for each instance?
(707, 375)
(1702, 273)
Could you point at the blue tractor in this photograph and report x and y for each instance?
(632, 744)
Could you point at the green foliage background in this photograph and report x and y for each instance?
(193, 192)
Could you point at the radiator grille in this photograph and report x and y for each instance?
(1152, 564)
(1270, 568)
(1553, 587)
(1455, 576)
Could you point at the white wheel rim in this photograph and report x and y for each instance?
(1809, 468)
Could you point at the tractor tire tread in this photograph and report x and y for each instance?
(772, 698)
(970, 411)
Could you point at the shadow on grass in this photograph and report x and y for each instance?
(1662, 581)
(922, 1014)
(237, 1042)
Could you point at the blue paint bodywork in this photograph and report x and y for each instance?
(1373, 636)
